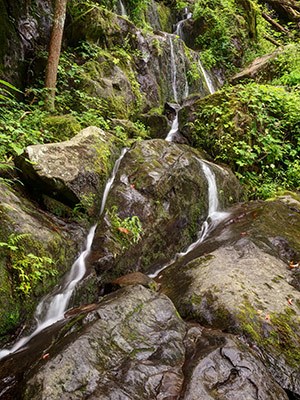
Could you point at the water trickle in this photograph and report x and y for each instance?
(173, 70)
(52, 308)
(213, 218)
(207, 78)
(122, 8)
(174, 129)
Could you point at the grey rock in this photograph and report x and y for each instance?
(72, 171)
(133, 350)
(220, 366)
(240, 283)
(163, 184)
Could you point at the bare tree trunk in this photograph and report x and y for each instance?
(54, 51)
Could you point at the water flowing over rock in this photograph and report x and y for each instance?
(133, 349)
(133, 345)
(72, 171)
(164, 186)
(246, 281)
(24, 226)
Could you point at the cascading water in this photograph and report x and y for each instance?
(173, 70)
(122, 8)
(52, 308)
(208, 81)
(174, 129)
(213, 218)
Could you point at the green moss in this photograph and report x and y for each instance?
(276, 333)
(56, 207)
(62, 127)
(164, 15)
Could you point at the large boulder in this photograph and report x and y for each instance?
(156, 207)
(36, 250)
(72, 172)
(132, 349)
(134, 345)
(246, 280)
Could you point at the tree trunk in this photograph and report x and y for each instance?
(54, 51)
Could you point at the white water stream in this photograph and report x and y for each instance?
(174, 129)
(173, 70)
(213, 218)
(208, 81)
(52, 308)
(122, 8)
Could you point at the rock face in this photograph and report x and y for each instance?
(163, 186)
(26, 234)
(132, 350)
(220, 366)
(243, 283)
(129, 78)
(135, 346)
(24, 27)
(73, 171)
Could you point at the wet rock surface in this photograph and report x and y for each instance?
(220, 366)
(131, 345)
(132, 350)
(26, 229)
(165, 187)
(243, 283)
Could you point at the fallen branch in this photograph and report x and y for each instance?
(275, 24)
(273, 41)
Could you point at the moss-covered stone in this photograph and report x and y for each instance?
(63, 127)
(29, 236)
(73, 172)
(165, 187)
(242, 283)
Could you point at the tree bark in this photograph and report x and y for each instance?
(54, 51)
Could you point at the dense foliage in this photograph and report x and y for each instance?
(256, 130)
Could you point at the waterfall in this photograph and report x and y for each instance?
(52, 308)
(122, 8)
(178, 30)
(207, 78)
(173, 70)
(213, 218)
(174, 129)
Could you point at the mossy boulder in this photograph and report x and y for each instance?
(31, 240)
(134, 345)
(129, 75)
(244, 281)
(62, 127)
(155, 208)
(70, 172)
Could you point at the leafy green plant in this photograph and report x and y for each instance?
(231, 31)
(127, 231)
(6, 90)
(85, 206)
(28, 269)
(256, 130)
